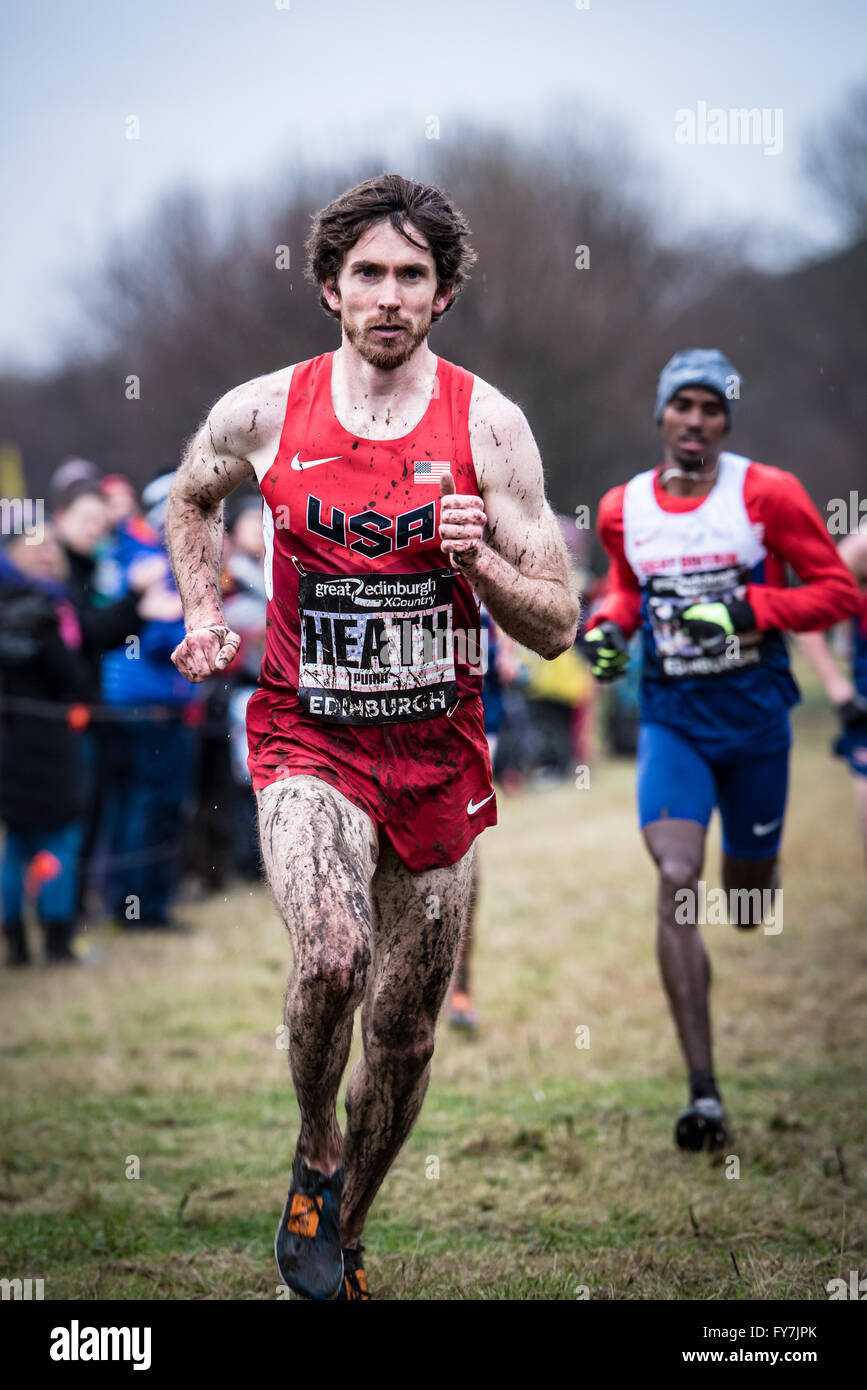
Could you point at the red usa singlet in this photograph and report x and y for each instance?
(368, 622)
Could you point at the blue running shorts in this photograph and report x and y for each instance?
(678, 780)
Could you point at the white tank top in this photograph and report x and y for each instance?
(712, 536)
(682, 558)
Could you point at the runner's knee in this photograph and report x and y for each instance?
(335, 975)
(747, 874)
(677, 870)
(403, 1054)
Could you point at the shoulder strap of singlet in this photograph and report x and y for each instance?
(455, 385)
(638, 493)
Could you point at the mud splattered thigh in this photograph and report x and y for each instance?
(320, 854)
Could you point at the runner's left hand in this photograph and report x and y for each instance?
(607, 651)
(709, 624)
(462, 523)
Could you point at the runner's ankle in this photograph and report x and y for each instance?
(702, 1085)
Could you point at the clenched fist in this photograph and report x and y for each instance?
(206, 650)
(462, 523)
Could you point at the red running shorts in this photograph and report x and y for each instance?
(426, 785)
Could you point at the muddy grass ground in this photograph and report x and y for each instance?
(556, 1167)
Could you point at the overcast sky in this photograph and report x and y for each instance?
(232, 93)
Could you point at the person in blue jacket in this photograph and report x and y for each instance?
(151, 741)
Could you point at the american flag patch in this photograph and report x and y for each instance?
(430, 470)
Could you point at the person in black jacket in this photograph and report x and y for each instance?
(82, 521)
(40, 670)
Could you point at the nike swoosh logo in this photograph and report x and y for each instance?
(473, 806)
(311, 463)
(766, 829)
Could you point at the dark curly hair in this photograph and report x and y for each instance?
(338, 227)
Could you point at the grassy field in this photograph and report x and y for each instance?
(557, 1170)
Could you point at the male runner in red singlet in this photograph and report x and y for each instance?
(698, 548)
(397, 488)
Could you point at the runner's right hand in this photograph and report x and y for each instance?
(607, 650)
(206, 650)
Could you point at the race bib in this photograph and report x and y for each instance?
(376, 648)
(668, 596)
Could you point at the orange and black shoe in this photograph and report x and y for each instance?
(307, 1244)
(354, 1277)
(462, 1010)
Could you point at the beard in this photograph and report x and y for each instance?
(689, 461)
(386, 355)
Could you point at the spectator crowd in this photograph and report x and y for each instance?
(106, 750)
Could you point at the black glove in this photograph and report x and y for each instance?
(607, 651)
(854, 713)
(710, 624)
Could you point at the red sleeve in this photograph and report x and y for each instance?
(794, 534)
(622, 602)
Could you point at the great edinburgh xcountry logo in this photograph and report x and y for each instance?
(373, 593)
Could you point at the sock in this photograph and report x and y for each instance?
(702, 1086)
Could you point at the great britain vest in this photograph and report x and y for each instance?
(680, 558)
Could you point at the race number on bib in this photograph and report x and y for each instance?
(376, 648)
(668, 596)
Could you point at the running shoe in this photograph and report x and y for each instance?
(307, 1244)
(354, 1278)
(462, 1010)
(702, 1125)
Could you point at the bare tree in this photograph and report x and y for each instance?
(836, 162)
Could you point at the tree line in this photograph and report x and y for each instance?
(574, 305)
